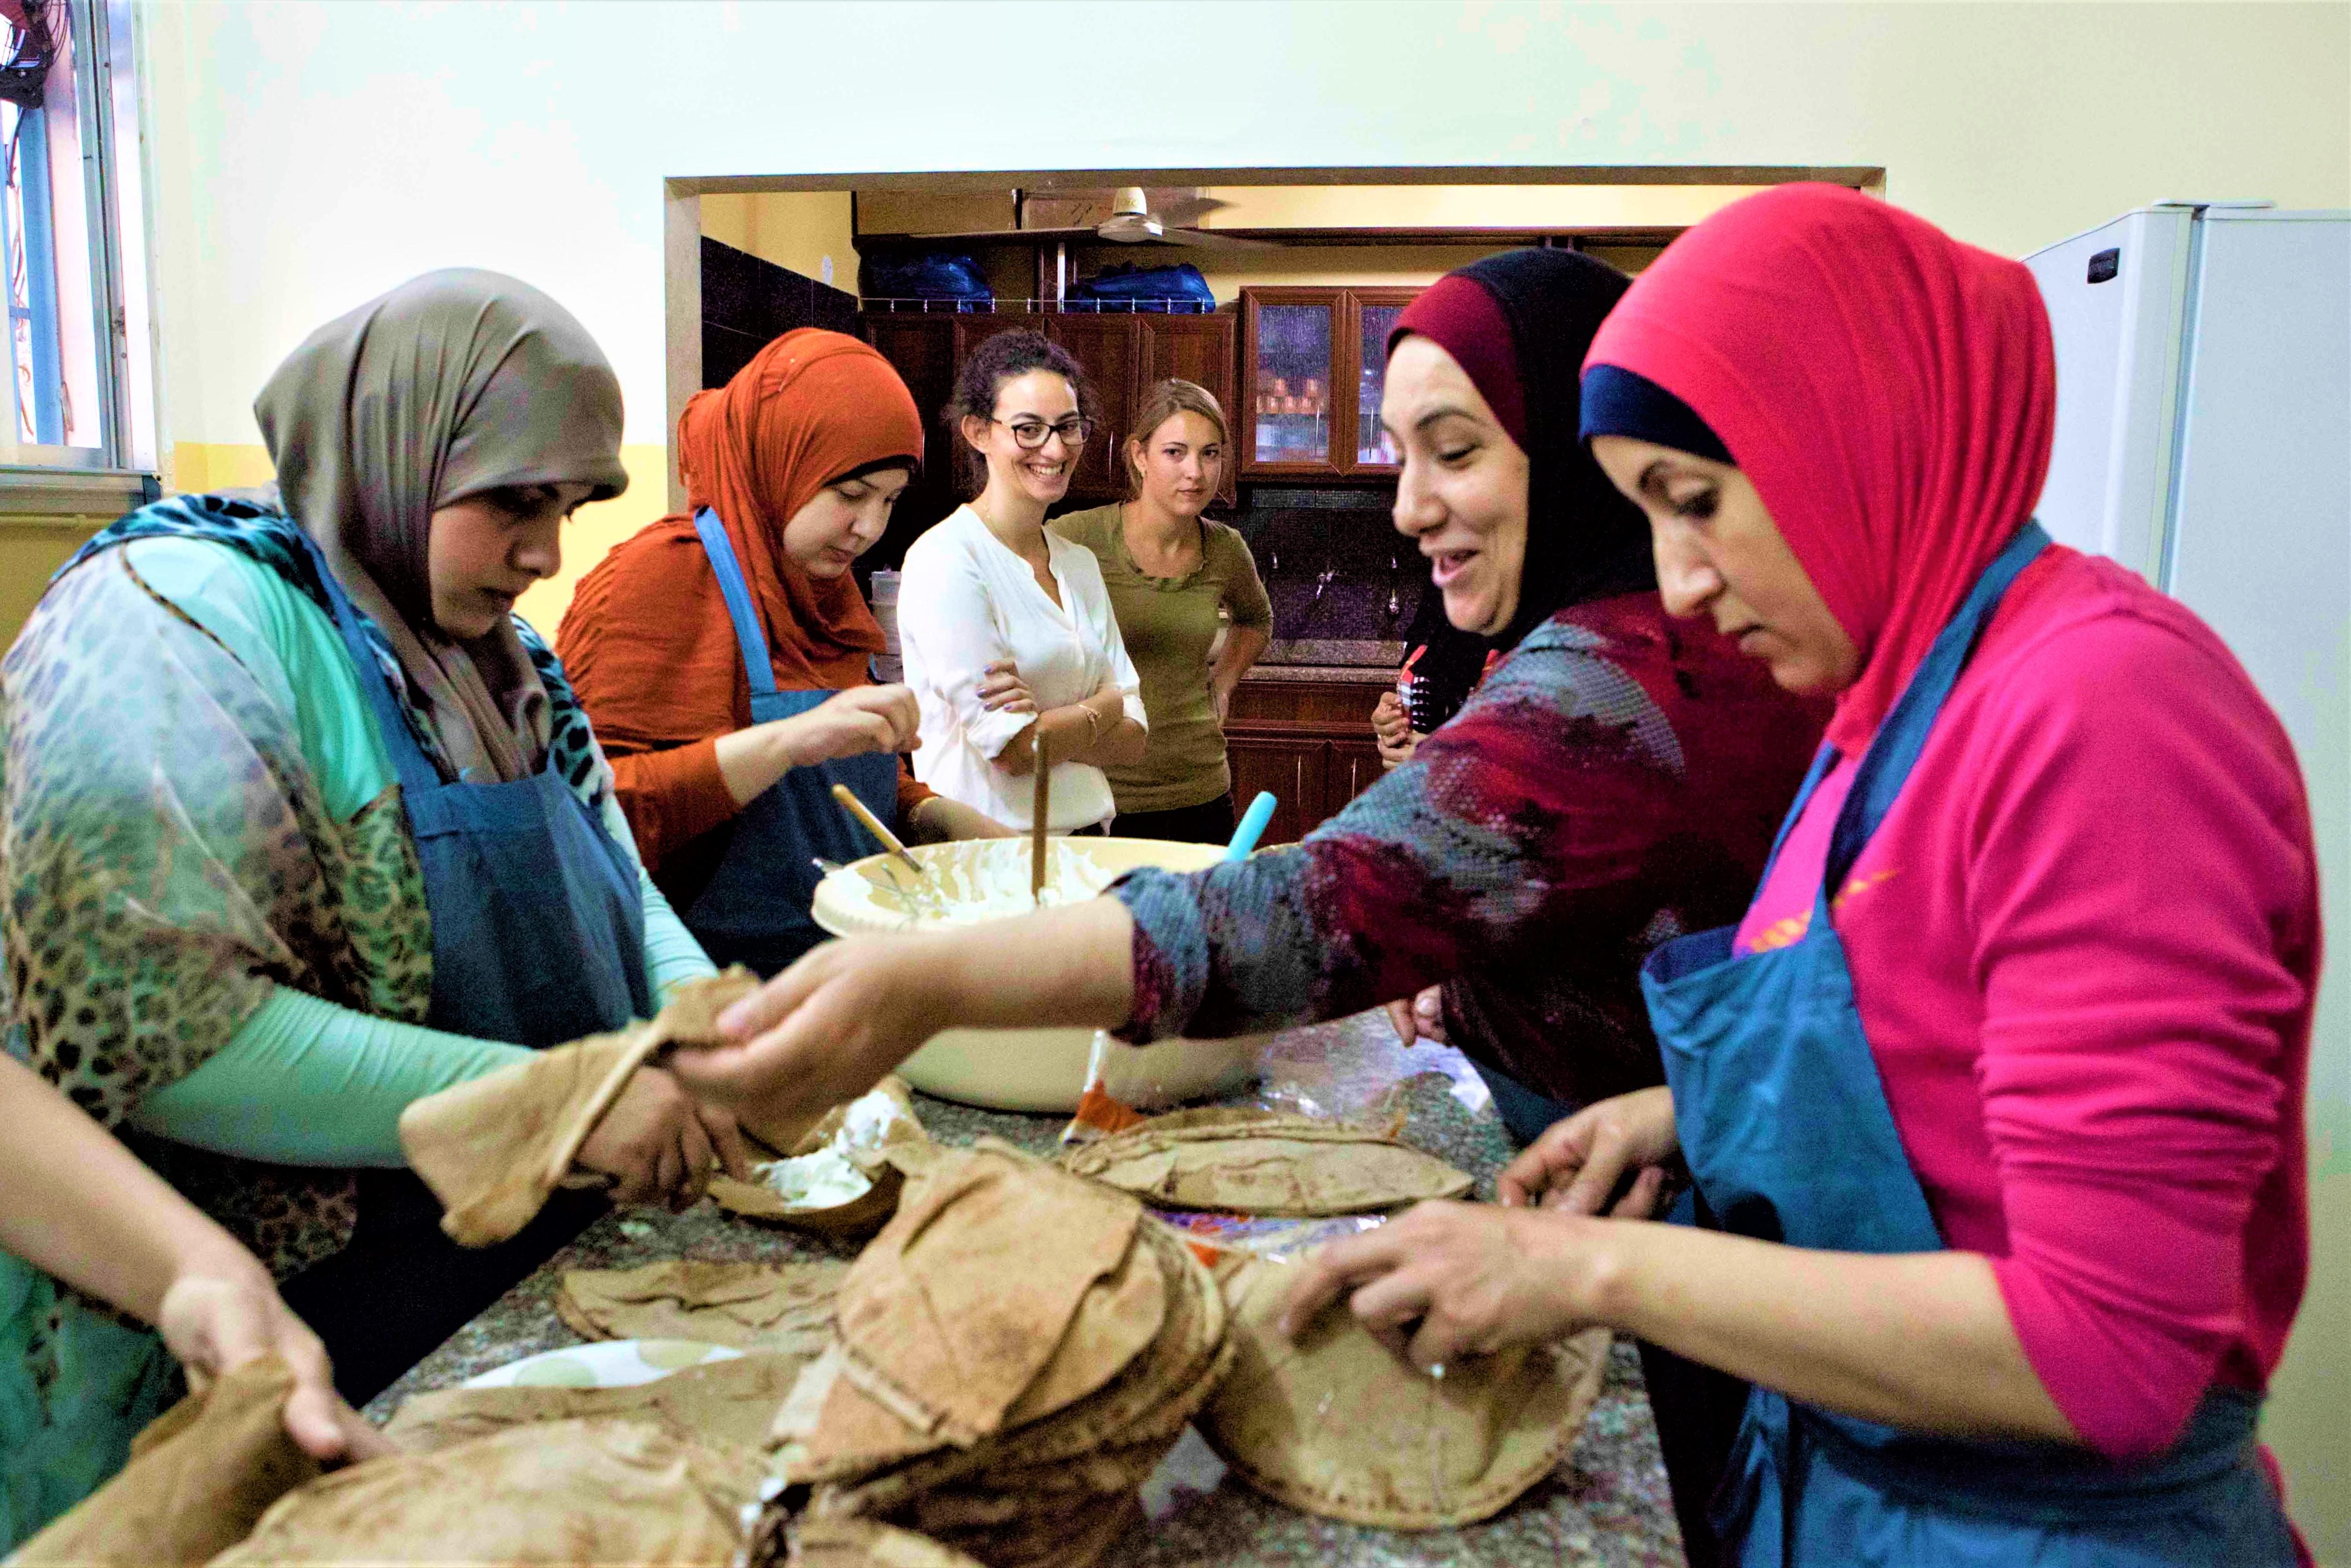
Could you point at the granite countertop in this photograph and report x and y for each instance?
(1607, 1504)
(1323, 675)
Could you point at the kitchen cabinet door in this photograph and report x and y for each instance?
(1353, 768)
(1371, 315)
(922, 348)
(1295, 771)
(1197, 349)
(1289, 348)
(1109, 349)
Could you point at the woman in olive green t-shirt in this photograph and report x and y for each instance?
(1170, 570)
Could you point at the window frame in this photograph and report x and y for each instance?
(114, 192)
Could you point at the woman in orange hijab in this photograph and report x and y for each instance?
(724, 656)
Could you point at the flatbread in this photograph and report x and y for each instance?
(1052, 1491)
(565, 1493)
(731, 1402)
(493, 1148)
(1265, 1164)
(866, 1543)
(199, 1476)
(861, 1216)
(958, 1306)
(785, 1308)
(1335, 1425)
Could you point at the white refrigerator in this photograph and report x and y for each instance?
(2204, 440)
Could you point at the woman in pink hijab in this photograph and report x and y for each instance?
(1993, 1102)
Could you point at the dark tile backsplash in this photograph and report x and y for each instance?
(748, 302)
(1297, 534)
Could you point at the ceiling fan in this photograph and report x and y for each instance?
(1127, 216)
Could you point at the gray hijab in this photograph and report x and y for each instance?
(454, 384)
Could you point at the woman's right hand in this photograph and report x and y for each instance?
(658, 1144)
(1577, 1164)
(1390, 722)
(826, 1029)
(855, 722)
(1418, 1017)
(222, 1311)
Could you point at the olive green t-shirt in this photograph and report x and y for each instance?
(1168, 624)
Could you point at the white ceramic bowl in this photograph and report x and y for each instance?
(1041, 1070)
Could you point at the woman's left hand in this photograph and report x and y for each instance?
(1002, 690)
(1449, 1280)
(217, 1316)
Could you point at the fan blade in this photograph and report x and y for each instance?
(980, 237)
(1209, 239)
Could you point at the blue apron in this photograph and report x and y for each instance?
(537, 939)
(1784, 1120)
(755, 909)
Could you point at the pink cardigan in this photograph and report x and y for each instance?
(2084, 945)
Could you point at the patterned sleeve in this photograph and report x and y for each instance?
(1539, 806)
(170, 855)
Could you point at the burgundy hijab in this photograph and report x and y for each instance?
(1890, 393)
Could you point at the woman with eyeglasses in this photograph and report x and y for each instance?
(1007, 629)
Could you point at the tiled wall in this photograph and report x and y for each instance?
(1298, 533)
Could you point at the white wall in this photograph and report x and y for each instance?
(324, 151)
(308, 155)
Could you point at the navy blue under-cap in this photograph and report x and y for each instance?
(1618, 403)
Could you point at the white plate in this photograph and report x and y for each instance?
(604, 1363)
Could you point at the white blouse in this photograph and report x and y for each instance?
(965, 600)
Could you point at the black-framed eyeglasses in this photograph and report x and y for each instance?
(1030, 434)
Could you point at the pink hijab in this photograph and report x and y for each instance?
(1889, 391)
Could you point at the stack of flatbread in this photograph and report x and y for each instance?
(1013, 1355)
(1334, 1424)
(1264, 1162)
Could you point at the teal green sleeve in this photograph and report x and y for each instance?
(671, 954)
(305, 1082)
(289, 646)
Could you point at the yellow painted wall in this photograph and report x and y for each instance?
(31, 547)
(1463, 206)
(804, 230)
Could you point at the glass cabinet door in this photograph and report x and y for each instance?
(1291, 376)
(1376, 316)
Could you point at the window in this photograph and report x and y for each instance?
(80, 384)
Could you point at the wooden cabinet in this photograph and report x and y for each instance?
(1197, 349)
(1310, 742)
(1313, 363)
(923, 348)
(1109, 349)
(1122, 355)
(1293, 768)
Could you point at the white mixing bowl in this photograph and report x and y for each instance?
(1030, 1068)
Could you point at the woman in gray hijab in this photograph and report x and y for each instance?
(302, 825)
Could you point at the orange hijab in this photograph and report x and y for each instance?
(809, 407)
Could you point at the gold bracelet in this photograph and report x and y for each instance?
(1093, 725)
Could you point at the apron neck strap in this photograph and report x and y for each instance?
(1885, 766)
(414, 770)
(748, 635)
